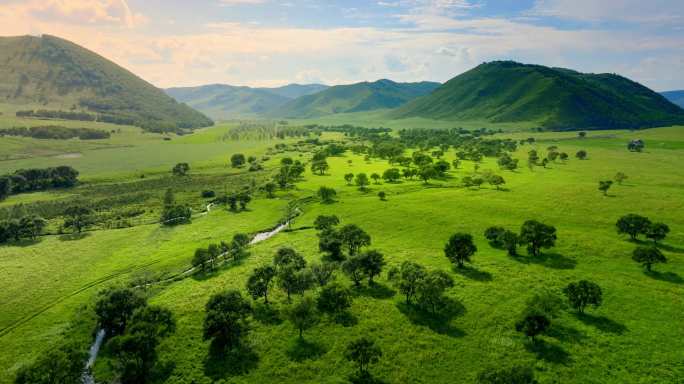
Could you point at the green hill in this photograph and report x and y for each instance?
(54, 74)
(357, 97)
(222, 102)
(555, 98)
(676, 97)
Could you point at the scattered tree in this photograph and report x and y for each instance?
(270, 188)
(604, 186)
(391, 175)
(78, 218)
(537, 236)
(633, 225)
(334, 299)
(349, 177)
(648, 256)
(327, 195)
(237, 160)
(181, 169)
(583, 293)
(361, 181)
(63, 364)
(363, 352)
(323, 272)
(259, 282)
(226, 320)
(533, 325)
(319, 166)
(620, 177)
(303, 315)
(657, 232)
(353, 267)
(431, 289)
(323, 223)
(581, 154)
(114, 308)
(460, 248)
(375, 177)
(354, 238)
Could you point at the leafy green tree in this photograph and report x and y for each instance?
(226, 321)
(371, 263)
(244, 198)
(270, 189)
(353, 267)
(563, 156)
(410, 277)
(633, 225)
(5, 187)
(363, 352)
(319, 166)
(181, 169)
(583, 293)
(323, 272)
(657, 232)
(427, 172)
(581, 154)
(509, 375)
(431, 289)
(456, 163)
(63, 364)
(533, 325)
(493, 235)
(201, 259)
(648, 256)
(354, 238)
(323, 222)
(114, 308)
(32, 226)
(442, 167)
(286, 161)
(259, 282)
(409, 173)
(382, 195)
(334, 299)
(532, 158)
(375, 177)
(509, 241)
(349, 177)
(238, 246)
(496, 181)
(331, 242)
(460, 248)
(506, 162)
(327, 195)
(620, 177)
(604, 186)
(303, 315)
(237, 160)
(537, 236)
(361, 181)
(78, 218)
(175, 215)
(391, 175)
(286, 256)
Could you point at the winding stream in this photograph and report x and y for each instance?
(88, 377)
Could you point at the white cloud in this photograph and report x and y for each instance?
(620, 10)
(94, 12)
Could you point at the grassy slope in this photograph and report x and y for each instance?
(58, 74)
(555, 98)
(634, 337)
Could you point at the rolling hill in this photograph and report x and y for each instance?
(54, 74)
(676, 97)
(222, 102)
(366, 96)
(555, 98)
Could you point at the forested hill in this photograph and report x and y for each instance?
(676, 97)
(54, 74)
(221, 102)
(556, 98)
(366, 96)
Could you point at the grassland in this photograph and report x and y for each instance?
(636, 337)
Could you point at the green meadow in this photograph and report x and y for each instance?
(49, 286)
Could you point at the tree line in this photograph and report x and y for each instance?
(37, 179)
(56, 132)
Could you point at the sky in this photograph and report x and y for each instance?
(276, 42)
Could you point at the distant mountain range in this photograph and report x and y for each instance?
(223, 102)
(676, 97)
(51, 73)
(555, 98)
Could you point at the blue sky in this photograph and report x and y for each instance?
(275, 42)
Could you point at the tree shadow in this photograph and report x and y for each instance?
(440, 321)
(376, 291)
(220, 364)
(345, 319)
(364, 378)
(670, 248)
(73, 236)
(473, 273)
(266, 314)
(566, 334)
(669, 277)
(602, 323)
(550, 260)
(302, 350)
(549, 352)
(23, 243)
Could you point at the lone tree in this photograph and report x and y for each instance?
(324, 223)
(349, 177)
(391, 175)
(115, 307)
(382, 195)
(496, 181)
(259, 282)
(361, 181)
(237, 160)
(371, 264)
(303, 315)
(657, 232)
(533, 324)
(633, 225)
(460, 248)
(181, 169)
(604, 186)
(375, 177)
(583, 293)
(334, 299)
(410, 276)
(78, 218)
(363, 352)
(648, 256)
(327, 195)
(537, 236)
(620, 177)
(354, 238)
(581, 154)
(319, 166)
(431, 289)
(226, 320)
(270, 189)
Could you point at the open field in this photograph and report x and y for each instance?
(636, 336)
